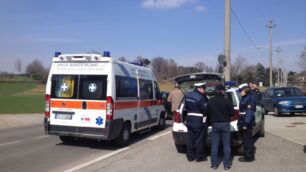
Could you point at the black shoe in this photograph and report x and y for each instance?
(227, 167)
(201, 159)
(190, 159)
(213, 167)
(243, 159)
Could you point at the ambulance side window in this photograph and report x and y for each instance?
(146, 89)
(64, 86)
(92, 87)
(126, 87)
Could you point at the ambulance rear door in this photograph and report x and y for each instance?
(78, 101)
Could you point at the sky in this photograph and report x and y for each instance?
(187, 31)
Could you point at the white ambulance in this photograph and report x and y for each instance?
(95, 96)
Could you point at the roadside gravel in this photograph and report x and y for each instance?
(19, 120)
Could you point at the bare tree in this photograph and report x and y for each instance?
(123, 59)
(201, 66)
(18, 65)
(237, 66)
(160, 67)
(35, 68)
(302, 60)
(248, 73)
(172, 66)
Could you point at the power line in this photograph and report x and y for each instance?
(247, 34)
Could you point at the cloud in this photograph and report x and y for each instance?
(200, 8)
(165, 4)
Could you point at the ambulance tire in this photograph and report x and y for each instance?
(67, 139)
(162, 121)
(124, 137)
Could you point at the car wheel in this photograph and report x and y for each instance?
(266, 112)
(292, 113)
(180, 148)
(261, 132)
(276, 112)
(240, 149)
(67, 139)
(124, 136)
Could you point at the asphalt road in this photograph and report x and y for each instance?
(28, 149)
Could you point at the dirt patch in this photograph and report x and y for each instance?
(38, 90)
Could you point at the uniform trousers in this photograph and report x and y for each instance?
(196, 140)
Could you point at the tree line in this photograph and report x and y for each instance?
(166, 69)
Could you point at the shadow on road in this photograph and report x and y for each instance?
(111, 145)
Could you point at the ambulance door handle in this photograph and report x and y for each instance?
(84, 105)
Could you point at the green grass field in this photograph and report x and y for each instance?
(21, 98)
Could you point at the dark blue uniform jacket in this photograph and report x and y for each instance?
(195, 102)
(248, 106)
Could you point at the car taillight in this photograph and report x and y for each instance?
(109, 108)
(235, 115)
(47, 106)
(177, 117)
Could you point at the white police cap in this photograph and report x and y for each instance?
(200, 84)
(243, 86)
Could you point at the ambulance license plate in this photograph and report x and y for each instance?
(63, 116)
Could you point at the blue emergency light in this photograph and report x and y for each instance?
(106, 54)
(57, 53)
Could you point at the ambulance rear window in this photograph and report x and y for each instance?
(64, 86)
(92, 87)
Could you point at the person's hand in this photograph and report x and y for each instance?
(244, 127)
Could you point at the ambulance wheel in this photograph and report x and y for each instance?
(162, 121)
(124, 136)
(67, 139)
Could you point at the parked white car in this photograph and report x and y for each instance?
(179, 129)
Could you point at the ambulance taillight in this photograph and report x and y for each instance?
(47, 106)
(109, 108)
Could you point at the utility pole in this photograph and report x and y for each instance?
(227, 40)
(270, 25)
(278, 50)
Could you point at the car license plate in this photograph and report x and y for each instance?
(63, 116)
(299, 106)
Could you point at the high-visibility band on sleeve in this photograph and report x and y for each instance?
(195, 114)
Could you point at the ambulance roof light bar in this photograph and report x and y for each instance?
(106, 54)
(57, 53)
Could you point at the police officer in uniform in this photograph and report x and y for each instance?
(195, 104)
(246, 122)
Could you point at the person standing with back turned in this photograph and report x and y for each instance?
(175, 98)
(220, 110)
(195, 104)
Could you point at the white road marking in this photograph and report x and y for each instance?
(42, 137)
(96, 160)
(9, 143)
(160, 135)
